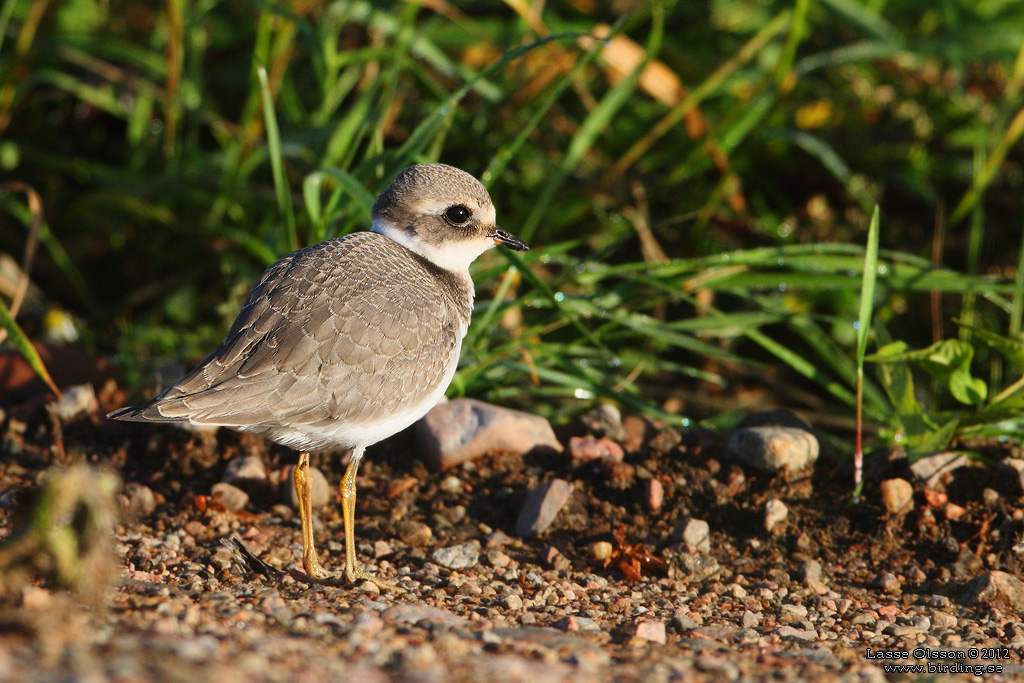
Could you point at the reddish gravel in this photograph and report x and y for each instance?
(608, 591)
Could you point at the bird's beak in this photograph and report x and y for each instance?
(507, 239)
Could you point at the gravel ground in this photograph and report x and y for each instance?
(622, 585)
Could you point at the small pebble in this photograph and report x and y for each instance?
(601, 550)
(231, 497)
(952, 511)
(653, 631)
(243, 470)
(796, 633)
(696, 532)
(604, 419)
(943, 621)
(542, 507)
(512, 602)
(451, 484)
(773, 448)
(462, 556)
(588, 448)
(897, 496)
(654, 494)
(775, 512)
(886, 581)
(76, 402)
(141, 500)
(416, 534)
(991, 497)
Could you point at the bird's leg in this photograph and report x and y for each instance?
(348, 506)
(304, 493)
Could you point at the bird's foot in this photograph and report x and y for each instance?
(352, 575)
(317, 571)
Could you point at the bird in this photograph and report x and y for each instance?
(344, 343)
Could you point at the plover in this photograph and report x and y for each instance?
(342, 344)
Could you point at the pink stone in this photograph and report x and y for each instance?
(654, 492)
(464, 429)
(653, 631)
(590, 448)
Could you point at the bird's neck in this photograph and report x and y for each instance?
(451, 273)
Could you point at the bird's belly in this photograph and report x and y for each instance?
(345, 434)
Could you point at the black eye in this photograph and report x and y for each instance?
(457, 215)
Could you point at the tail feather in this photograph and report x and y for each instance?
(147, 412)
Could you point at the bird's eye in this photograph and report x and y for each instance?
(457, 215)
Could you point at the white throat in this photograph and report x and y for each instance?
(455, 256)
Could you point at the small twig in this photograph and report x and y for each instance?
(983, 532)
(35, 207)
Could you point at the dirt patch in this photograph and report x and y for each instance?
(610, 590)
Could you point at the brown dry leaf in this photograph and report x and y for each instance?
(634, 561)
(623, 56)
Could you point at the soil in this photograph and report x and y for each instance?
(829, 585)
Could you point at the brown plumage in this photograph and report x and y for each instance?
(347, 342)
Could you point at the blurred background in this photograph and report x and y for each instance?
(696, 181)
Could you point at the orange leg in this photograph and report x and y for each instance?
(304, 493)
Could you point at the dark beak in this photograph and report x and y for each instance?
(507, 239)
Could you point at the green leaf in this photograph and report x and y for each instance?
(1010, 349)
(968, 390)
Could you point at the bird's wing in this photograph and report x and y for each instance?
(353, 329)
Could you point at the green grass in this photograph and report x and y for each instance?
(697, 214)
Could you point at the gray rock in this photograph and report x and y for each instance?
(245, 471)
(462, 556)
(696, 532)
(796, 634)
(409, 613)
(464, 429)
(75, 402)
(141, 499)
(542, 506)
(775, 512)
(886, 581)
(996, 589)
(943, 621)
(604, 419)
(935, 471)
(512, 602)
(699, 567)
(897, 496)
(416, 534)
(809, 570)
(321, 489)
(990, 497)
(682, 621)
(230, 496)
(771, 449)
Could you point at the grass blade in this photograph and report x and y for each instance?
(25, 348)
(867, 301)
(284, 200)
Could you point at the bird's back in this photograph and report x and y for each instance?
(335, 344)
